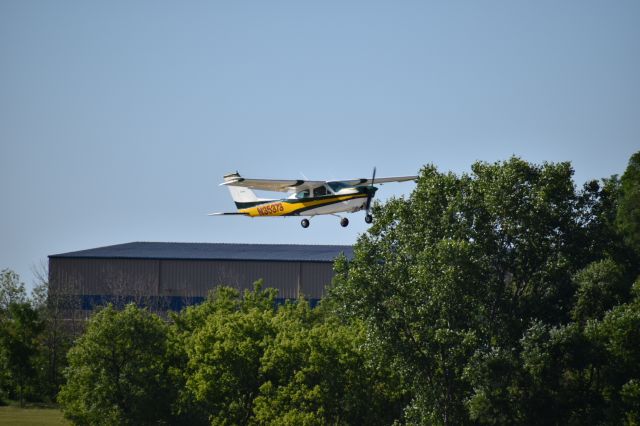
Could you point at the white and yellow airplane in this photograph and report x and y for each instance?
(308, 197)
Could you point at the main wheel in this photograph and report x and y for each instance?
(344, 222)
(305, 223)
(368, 218)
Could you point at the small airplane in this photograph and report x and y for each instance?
(308, 197)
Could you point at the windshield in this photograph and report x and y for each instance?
(337, 186)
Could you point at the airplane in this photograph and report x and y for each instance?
(308, 197)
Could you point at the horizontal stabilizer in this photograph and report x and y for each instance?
(228, 213)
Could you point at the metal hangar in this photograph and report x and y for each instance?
(169, 276)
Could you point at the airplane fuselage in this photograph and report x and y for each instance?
(351, 200)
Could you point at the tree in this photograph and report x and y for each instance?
(320, 370)
(248, 361)
(119, 371)
(600, 287)
(225, 339)
(453, 277)
(615, 338)
(56, 339)
(583, 373)
(19, 329)
(11, 289)
(628, 217)
(19, 340)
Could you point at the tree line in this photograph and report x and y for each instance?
(501, 296)
(33, 342)
(506, 295)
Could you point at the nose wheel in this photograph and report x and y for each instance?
(305, 223)
(368, 218)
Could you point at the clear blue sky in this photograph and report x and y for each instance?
(118, 119)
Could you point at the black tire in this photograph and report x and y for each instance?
(305, 223)
(368, 218)
(344, 222)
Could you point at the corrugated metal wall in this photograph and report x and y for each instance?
(315, 278)
(140, 279)
(104, 276)
(196, 278)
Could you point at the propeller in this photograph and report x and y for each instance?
(370, 196)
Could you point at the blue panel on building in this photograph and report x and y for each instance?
(174, 303)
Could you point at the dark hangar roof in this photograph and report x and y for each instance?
(213, 251)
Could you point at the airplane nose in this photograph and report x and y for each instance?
(371, 190)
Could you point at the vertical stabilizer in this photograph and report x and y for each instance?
(242, 196)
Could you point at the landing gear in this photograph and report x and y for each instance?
(368, 218)
(344, 222)
(305, 223)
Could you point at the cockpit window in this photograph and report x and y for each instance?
(337, 186)
(303, 194)
(319, 191)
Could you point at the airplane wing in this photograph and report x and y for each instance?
(289, 185)
(272, 184)
(363, 182)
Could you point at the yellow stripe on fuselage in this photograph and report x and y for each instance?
(287, 208)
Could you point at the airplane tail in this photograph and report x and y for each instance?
(242, 196)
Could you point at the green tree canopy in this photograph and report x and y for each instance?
(248, 361)
(615, 340)
(628, 218)
(223, 369)
(19, 349)
(320, 370)
(11, 289)
(119, 372)
(460, 277)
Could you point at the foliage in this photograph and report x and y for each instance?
(118, 371)
(322, 371)
(600, 287)
(628, 217)
(223, 369)
(45, 340)
(472, 285)
(20, 347)
(616, 339)
(56, 338)
(248, 361)
(11, 289)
